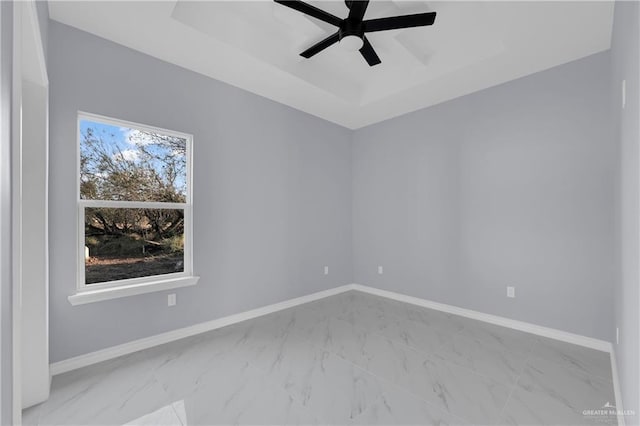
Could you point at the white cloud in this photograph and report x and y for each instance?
(127, 155)
(177, 153)
(136, 137)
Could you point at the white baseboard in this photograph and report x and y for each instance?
(159, 339)
(170, 336)
(552, 333)
(137, 345)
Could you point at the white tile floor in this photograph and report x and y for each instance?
(348, 359)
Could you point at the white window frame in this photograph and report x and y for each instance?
(87, 293)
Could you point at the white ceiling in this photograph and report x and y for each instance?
(255, 45)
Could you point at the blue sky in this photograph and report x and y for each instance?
(118, 142)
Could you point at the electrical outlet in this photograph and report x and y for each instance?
(511, 292)
(380, 270)
(624, 93)
(326, 270)
(171, 299)
(617, 335)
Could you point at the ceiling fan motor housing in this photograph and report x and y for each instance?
(351, 28)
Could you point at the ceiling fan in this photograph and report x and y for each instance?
(352, 29)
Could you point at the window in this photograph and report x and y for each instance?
(134, 202)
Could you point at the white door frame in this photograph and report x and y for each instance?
(16, 219)
(28, 65)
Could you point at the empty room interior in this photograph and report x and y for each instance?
(319, 212)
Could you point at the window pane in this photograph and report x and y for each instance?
(124, 164)
(127, 243)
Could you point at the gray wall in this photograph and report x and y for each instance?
(625, 63)
(513, 185)
(272, 192)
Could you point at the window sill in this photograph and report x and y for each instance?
(92, 296)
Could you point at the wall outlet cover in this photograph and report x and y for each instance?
(511, 292)
(171, 299)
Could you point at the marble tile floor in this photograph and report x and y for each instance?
(350, 359)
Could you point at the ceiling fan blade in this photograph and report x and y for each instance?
(397, 22)
(311, 11)
(369, 54)
(357, 8)
(320, 46)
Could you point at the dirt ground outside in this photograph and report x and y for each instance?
(104, 269)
